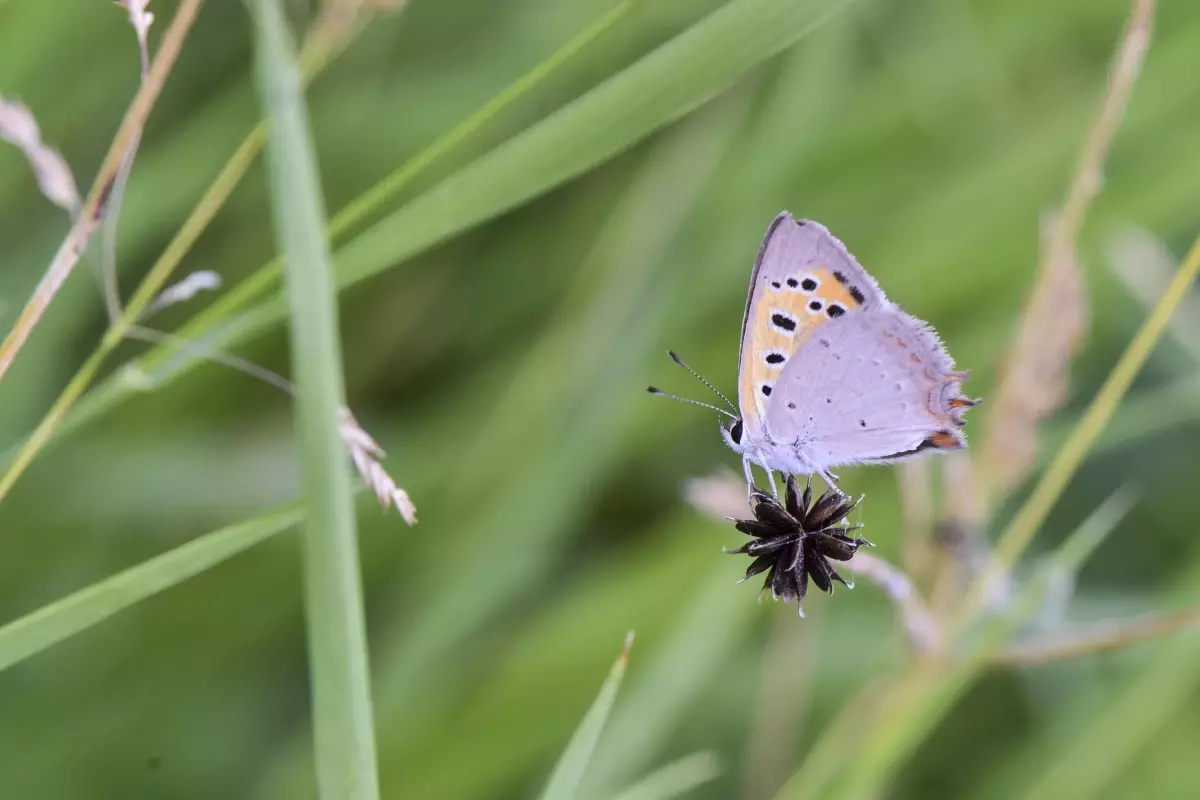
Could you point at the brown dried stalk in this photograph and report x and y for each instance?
(18, 127)
(92, 211)
(1034, 382)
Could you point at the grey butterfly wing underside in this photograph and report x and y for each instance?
(790, 247)
(869, 387)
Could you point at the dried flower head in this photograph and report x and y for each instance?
(365, 452)
(794, 541)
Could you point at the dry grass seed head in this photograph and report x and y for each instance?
(19, 128)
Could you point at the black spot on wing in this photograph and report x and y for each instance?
(783, 322)
(857, 294)
(793, 283)
(840, 277)
(808, 285)
(835, 311)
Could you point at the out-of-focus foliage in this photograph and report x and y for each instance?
(504, 371)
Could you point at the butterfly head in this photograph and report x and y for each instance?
(732, 431)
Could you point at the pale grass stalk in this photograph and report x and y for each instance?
(140, 19)
(916, 513)
(963, 549)
(93, 208)
(1144, 265)
(320, 49)
(322, 45)
(365, 453)
(789, 665)
(19, 128)
(146, 382)
(1100, 639)
(1034, 381)
(922, 629)
(1034, 511)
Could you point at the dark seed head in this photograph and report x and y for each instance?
(794, 541)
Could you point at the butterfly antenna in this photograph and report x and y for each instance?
(661, 393)
(700, 378)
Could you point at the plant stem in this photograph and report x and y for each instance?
(1035, 510)
(1113, 636)
(92, 212)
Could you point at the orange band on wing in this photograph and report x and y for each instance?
(787, 311)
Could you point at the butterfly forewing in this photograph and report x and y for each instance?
(803, 279)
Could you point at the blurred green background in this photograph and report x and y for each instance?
(504, 371)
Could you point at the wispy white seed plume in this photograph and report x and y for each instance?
(204, 280)
(365, 452)
(54, 178)
(141, 20)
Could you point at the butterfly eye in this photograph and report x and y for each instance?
(735, 431)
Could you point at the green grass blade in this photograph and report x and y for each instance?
(608, 317)
(387, 189)
(661, 87)
(708, 629)
(1116, 735)
(657, 90)
(675, 779)
(568, 772)
(90, 606)
(342, 717)
(353, 215)
(927, 695)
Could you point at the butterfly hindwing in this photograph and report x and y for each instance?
(876, 386)
(803, 278)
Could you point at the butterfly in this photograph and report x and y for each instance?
(832, 373)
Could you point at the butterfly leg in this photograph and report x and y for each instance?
(750, 487)
(832, 480)
(749, 480)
